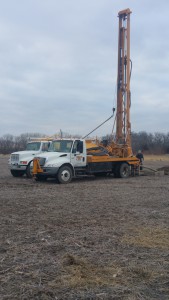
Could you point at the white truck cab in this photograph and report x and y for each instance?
(19, 162)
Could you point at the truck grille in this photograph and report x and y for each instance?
(14, 157)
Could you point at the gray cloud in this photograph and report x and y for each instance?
(59, 65)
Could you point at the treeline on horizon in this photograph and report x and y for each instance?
(149, 143)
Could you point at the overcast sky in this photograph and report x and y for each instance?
(58, 65)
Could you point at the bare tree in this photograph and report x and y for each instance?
(10, 143)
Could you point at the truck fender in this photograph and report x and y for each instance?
(28, 170)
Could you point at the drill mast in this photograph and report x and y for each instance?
(123, 125)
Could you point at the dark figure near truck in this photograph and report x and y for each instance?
(141, 158)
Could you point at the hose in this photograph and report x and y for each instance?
(149, 169)
(100, 124)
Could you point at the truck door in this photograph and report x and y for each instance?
(78, 154)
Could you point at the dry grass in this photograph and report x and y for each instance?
(148, 237)
(152, 157)
(78, 272)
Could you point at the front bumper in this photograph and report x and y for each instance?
(17, 167)
(49, 172)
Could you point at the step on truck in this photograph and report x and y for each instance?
(19, 162)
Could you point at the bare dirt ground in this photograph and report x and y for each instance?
(95, 238)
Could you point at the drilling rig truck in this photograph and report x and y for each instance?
(68, 158)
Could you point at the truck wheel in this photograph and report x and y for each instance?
(29, 170)
(17, 173)
(64, 174)
(124, 170)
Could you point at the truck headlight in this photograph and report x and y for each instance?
(24, 162)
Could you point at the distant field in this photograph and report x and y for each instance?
(152, 157)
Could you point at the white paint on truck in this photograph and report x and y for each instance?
(19, 161)
(64, 152)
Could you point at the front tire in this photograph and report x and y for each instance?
(17, 173)
(65, 175)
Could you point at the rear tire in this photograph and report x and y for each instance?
(17, 173)
(65, 175)
(124, 170)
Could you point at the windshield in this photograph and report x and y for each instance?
(35, 146)
(61, 146)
